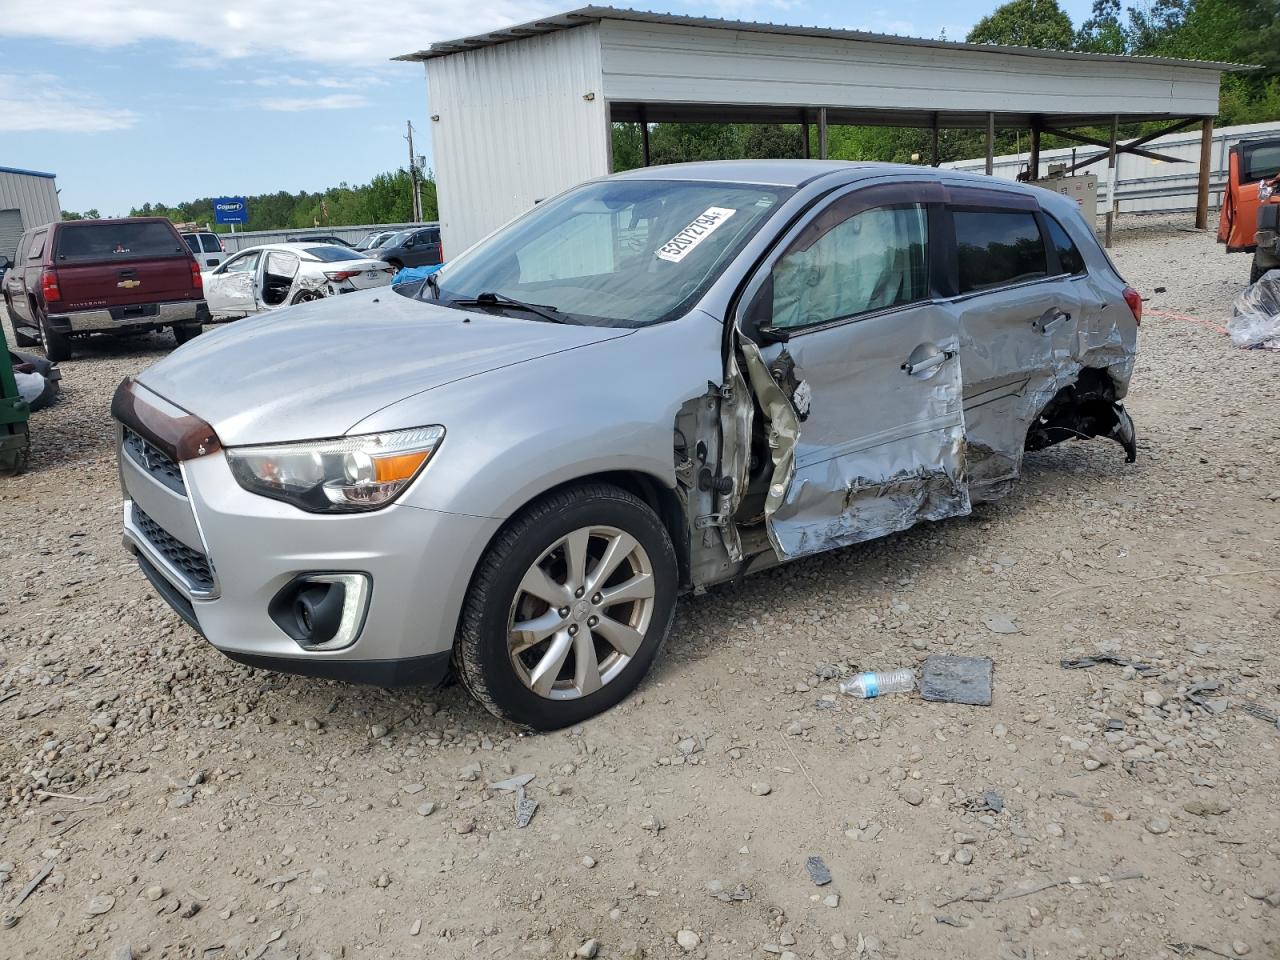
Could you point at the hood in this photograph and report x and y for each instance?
(317, 369)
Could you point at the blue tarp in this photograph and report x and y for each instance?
(410, 274)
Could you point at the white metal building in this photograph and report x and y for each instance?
(28, 198)
(520, 114)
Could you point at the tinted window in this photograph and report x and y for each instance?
(330, 254)
(1068, 255)
(211, 244)
(872, 260)
(193, 242)
(1261, 162)
(118, 241)
(998, 247)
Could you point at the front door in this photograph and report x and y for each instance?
(229, 290)
(843, 321)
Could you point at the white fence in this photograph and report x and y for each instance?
(1143, 185)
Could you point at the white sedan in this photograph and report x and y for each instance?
(276, 275)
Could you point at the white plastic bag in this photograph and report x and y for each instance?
(1255, 316)
(30, 385)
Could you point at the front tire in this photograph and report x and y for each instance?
(568, 608)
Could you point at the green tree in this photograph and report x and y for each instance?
(1026, 23)
(1102, 32)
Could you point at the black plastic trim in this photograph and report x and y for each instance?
(429, 670)
(170, 594)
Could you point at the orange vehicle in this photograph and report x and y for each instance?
(1251, 204)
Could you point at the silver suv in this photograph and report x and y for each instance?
(652, 383)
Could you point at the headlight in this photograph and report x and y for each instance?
(1265, 190)
(345, 475)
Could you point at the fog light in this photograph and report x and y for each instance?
(322, 611)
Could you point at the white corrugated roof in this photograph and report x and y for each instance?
(585, 15)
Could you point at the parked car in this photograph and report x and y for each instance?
(1247, 222)
(419, 247)
(281, 274)
(5, 264)
(375, 240)
(206, 247)
(654, 382)
(321, 238)
(74, 278)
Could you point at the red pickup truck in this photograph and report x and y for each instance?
(79, 277)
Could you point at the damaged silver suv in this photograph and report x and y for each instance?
(652, 383)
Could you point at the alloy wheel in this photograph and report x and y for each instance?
(581, 612)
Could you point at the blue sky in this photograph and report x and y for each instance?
(129, 101)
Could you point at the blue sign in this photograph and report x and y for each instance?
(230, 210)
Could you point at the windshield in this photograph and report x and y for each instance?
(393, 239)
(331, 254)
(616, 252)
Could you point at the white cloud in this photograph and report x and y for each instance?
(317, 31)
(41, 101)
(334, 101)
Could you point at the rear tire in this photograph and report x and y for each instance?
(182, 332)
(57, 345)
(605, 645)
(306, 296)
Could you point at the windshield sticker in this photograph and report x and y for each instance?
(703, 225)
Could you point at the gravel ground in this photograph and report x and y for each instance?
(178, 805)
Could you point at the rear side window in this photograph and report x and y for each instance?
(193, 242)
(1261, 161)
(37, 246)
(1069, 257)
(211, 244)
(118, 241)
(998, 247)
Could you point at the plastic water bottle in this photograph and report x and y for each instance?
(868, 685)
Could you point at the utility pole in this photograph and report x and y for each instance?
(413, 175)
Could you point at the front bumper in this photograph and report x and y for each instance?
(126, 318)
(419, 562)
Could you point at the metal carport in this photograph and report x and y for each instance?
(522, 113)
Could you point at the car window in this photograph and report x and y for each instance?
(211, 244)
(117, 241)
(875, 259)
(37, 246)
(1069, 257)
(998, 247)
(331, 254)
(281, 263)
(193, 242)
(616, 252)
(1261, 162)
(242, 263)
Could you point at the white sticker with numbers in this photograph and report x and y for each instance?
(702, 226)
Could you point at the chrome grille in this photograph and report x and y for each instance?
(192, 564)
(155, 461)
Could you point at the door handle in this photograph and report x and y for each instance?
(1047, 319)
(928, 363)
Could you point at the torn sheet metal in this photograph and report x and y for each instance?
(1020, 352)
(881, 446)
